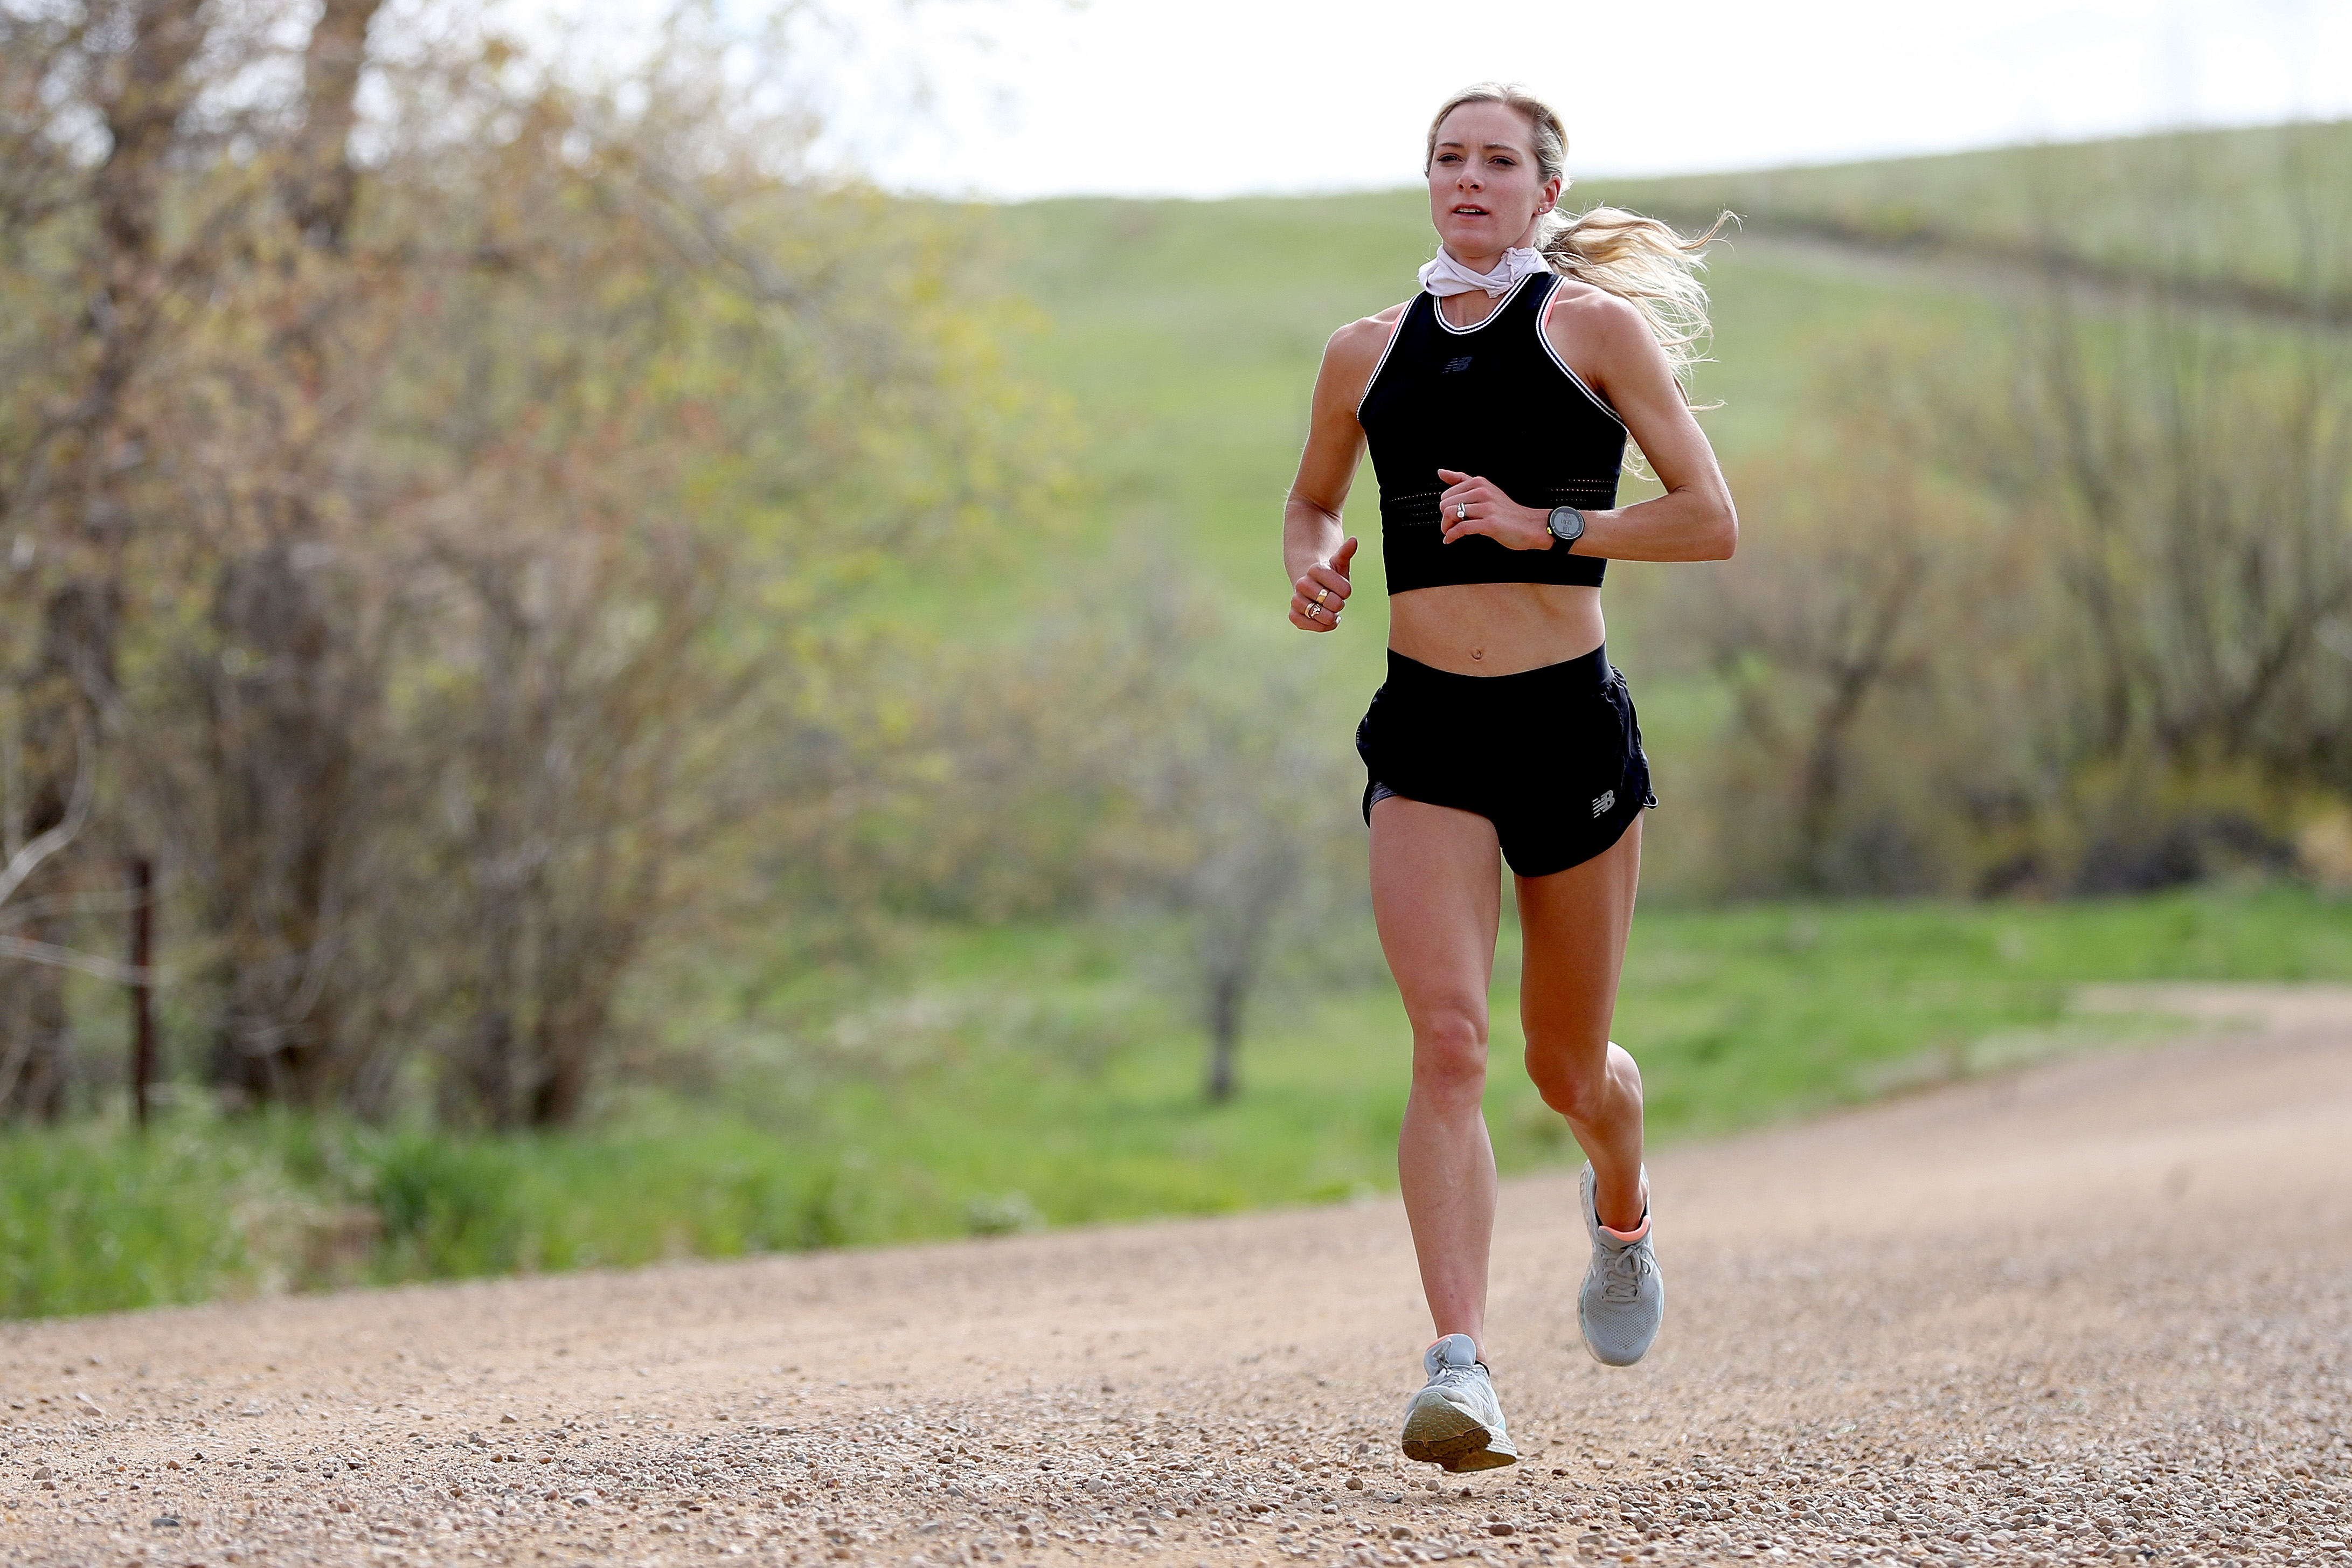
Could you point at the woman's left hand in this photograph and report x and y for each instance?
(1473, 505)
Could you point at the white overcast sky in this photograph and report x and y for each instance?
(1216, 97)
(1210, 98)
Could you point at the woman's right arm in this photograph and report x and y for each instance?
(1315, 549)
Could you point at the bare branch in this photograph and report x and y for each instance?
(28, 860)
(114, 901)
(58, 957)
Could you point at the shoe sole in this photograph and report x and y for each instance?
(1436, 1432)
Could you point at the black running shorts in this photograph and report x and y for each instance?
(1552, 757)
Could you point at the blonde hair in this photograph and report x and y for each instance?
(1637, 258)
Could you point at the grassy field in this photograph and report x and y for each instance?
(1024, 1076)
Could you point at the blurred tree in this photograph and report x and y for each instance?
(2055, 612)
(1835, 633)
(2189, 466)
(1142, 752)
(1244, 816)
(85, 218)
(439, 538)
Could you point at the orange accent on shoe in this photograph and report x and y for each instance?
(1639, 1231)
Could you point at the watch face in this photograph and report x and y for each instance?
(1566, 523)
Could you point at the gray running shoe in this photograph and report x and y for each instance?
(1623, 1300)
(1455, 1420)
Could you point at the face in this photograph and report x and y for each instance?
(1484, 188)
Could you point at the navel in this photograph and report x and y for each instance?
(1477, 653)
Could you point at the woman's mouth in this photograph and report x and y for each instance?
(1470, 212)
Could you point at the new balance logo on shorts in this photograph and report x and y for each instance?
(1454, 365)
(1608, 798)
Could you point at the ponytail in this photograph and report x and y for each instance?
(1645, 261)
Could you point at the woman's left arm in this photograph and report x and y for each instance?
(1694, 521)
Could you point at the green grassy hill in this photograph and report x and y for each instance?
(2261, 213)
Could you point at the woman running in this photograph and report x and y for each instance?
(1496, 404)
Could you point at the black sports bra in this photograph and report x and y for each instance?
(1495, 400)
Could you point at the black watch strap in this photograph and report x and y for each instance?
(1567, 524)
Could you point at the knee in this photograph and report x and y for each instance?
(1577, 1083)
(1449, 1056)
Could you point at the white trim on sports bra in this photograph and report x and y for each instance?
(1543, 336)
(1381, 363)
(1437, 309)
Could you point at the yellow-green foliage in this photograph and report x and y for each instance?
(458, 582)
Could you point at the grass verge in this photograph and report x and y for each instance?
(1030, 1079)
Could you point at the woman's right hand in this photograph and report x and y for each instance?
(1318, 596)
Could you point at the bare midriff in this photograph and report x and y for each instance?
(1496, 629)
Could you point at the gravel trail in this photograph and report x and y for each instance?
(2095, 1312)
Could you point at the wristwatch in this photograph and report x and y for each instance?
(1567, 525)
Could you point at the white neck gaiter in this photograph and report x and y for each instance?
(1446, 276)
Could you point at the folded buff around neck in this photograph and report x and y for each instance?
(1446, 276)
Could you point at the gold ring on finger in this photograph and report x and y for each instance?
(1322, 594)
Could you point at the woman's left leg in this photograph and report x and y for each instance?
(1573, 925)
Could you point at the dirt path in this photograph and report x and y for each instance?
(2101, 1310)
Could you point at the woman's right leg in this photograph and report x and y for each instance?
(1437, 897)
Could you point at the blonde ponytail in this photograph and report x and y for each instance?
(1645, 262)
(1636, 258)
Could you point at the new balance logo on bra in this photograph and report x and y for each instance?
(1608, 798)
(1454, 365)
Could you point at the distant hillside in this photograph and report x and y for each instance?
(2262, 216)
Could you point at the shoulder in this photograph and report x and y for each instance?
(1602, 324)
(1352, 355)
(1361, 343)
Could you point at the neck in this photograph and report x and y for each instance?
(1488, 260)
(1479, 264)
